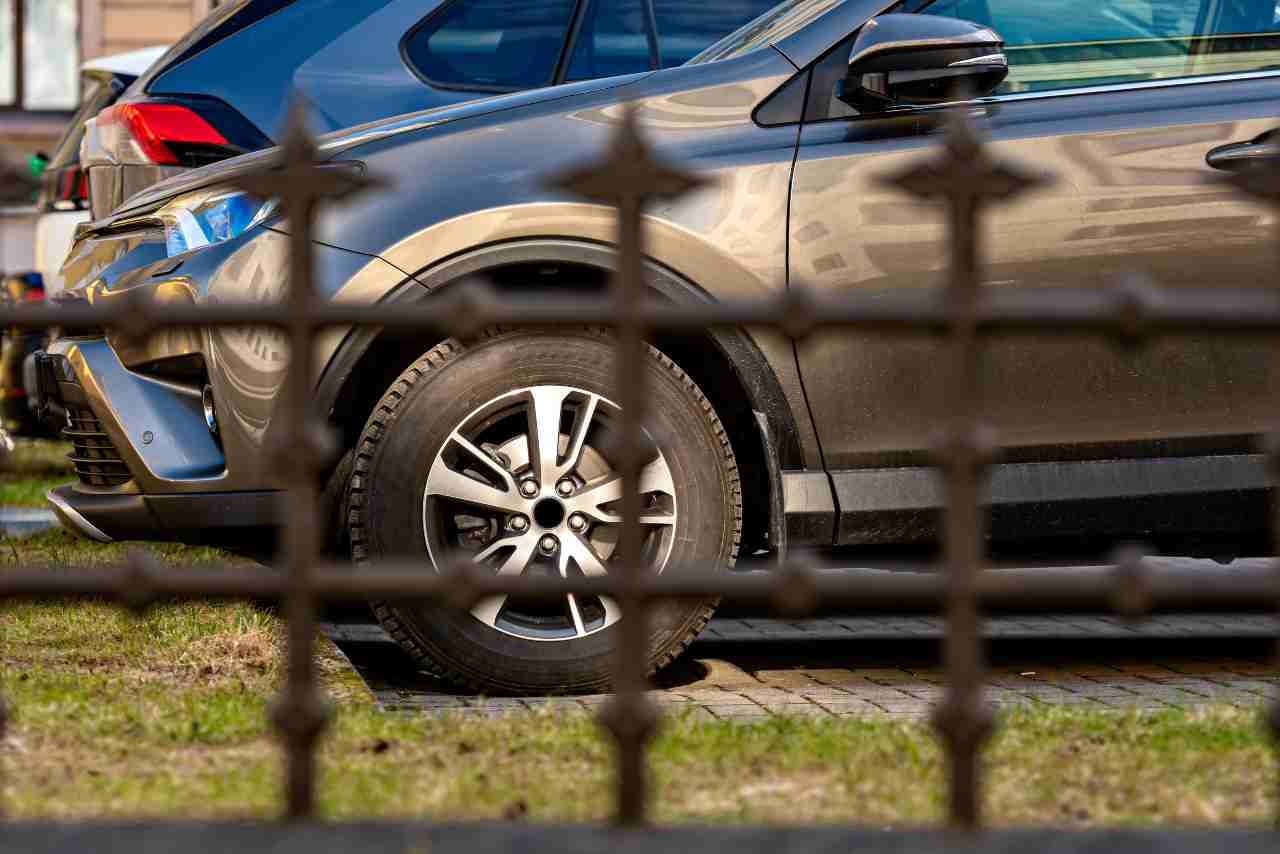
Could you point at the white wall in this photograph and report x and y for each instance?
(17, 240)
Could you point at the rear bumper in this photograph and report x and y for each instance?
(189, 517)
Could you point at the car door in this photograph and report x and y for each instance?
(1125, 101)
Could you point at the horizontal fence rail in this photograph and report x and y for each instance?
(1146, 586)
(964, 176)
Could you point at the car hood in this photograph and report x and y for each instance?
(332, 144)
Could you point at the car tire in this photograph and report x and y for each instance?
(459, 411)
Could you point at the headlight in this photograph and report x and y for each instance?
(211, 217)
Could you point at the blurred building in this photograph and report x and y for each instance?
(43, 42)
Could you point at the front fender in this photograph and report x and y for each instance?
(764, 361)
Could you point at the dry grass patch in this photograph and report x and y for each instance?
(166, 714)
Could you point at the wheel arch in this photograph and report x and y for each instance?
(727, 364)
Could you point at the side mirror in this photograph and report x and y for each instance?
(918, 60)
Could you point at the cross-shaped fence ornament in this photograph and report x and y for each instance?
(302, 183)
(967, 178)
(628, 176)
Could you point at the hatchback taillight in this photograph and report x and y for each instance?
(155, 133)
(72, 186)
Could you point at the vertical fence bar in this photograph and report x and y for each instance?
(628, 177)
(301, 714)
(965, 178)
(633, 647)
(963, 470)
(298, 451)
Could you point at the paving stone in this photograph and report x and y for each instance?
(841, 707)
(761, 695)
(724, 674)
(808, 710)
(739, 713)
(696, 713)
(823, 693)
(889, 680)
(786, 679)
(709, 696)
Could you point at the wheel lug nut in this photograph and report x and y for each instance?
(565, 488)
(548, 544)
(519, 523)
(577, 522)
(529, 488)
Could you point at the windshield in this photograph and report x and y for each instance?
(773, 26)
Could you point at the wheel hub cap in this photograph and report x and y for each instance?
(548, 513)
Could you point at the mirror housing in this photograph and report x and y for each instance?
(919, 60)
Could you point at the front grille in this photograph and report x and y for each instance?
(95, 457)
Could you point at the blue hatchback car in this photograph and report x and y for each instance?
(224, 88)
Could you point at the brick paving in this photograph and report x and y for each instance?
(748, 669)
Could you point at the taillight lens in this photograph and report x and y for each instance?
(73, 186)
(154, 133)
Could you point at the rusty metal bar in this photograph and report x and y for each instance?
(299, 712)
(961, 718)
(628, 178)
(965, 178)
(1129, 308)
(298, 451)
(1164, 587)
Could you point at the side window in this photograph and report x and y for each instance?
(614, 40)
(491, 44)
(1061, 44)
(615, 34)
(687, 27)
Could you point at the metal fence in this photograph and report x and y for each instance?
(963, 175)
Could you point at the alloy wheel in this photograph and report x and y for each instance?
(524, 485)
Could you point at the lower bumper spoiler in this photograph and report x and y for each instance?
(196, 517)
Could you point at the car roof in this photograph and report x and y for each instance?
(132, 63)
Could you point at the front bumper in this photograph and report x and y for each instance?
(143, 445)
(112, 501)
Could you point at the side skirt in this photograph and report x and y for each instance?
(1048, 499)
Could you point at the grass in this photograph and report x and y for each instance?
(117, 715)
(34, 467)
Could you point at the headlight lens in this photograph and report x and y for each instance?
(211, 217)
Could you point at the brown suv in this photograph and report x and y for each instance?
(498, 447)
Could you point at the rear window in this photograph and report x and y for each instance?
(492, 45)
(223, 22)
(98, 95)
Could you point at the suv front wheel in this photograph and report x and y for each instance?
(500, 451)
